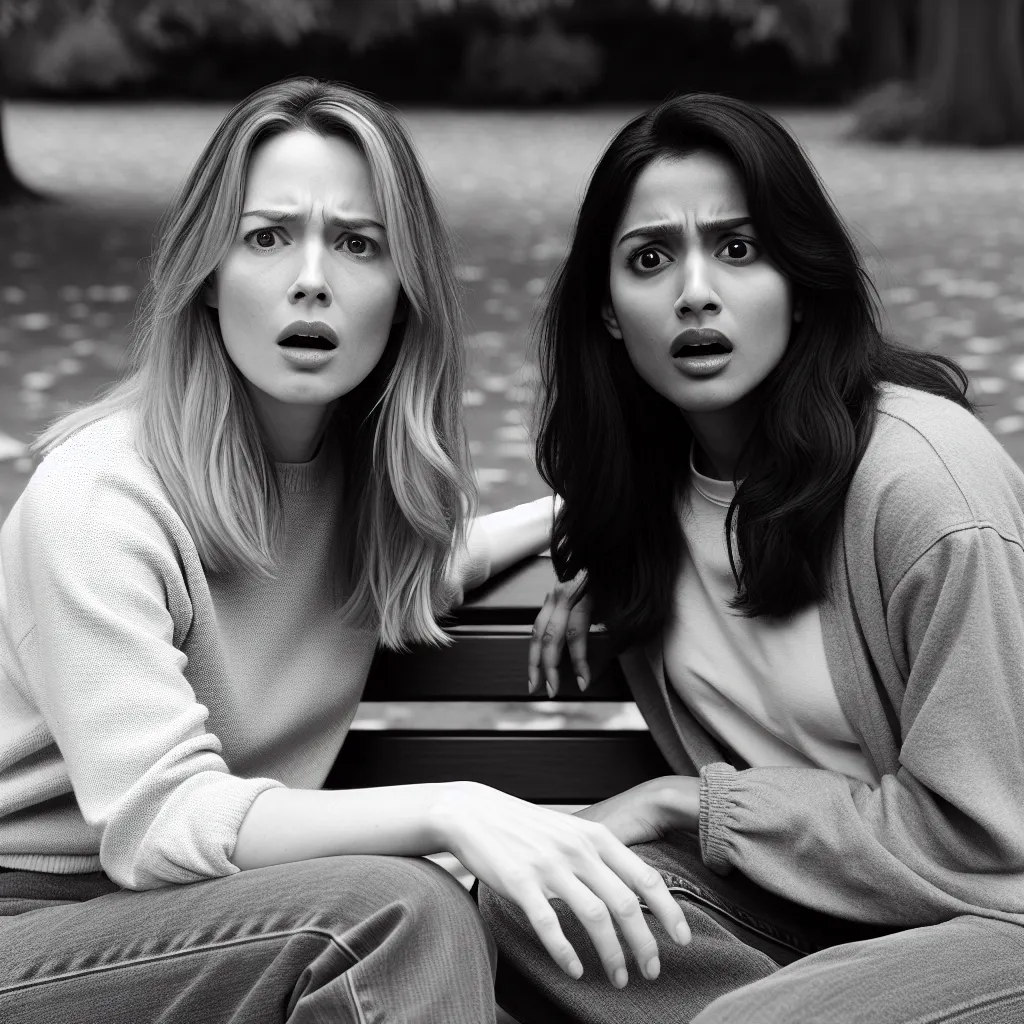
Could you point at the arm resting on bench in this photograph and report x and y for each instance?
(500, 539)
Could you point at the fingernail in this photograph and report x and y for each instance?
(550, 688)
(531, 686)
(576, 969)
(621, 977)
(581, 683)
(653, 968)
(682, 934)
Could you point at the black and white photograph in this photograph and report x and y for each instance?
(512, 511)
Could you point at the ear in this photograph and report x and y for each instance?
(210, 293)
(610, 321)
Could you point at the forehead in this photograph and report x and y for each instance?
(302, 166)
(701, 186)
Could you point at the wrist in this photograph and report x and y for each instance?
(447, 816)
(676, 801)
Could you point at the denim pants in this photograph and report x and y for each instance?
(756, 958)
(342, 939)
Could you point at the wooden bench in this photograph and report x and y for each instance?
(488, 662)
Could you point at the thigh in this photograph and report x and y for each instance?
(244, 948)
(784, 930)
(717, 960)
(741, 934)
(969, 970)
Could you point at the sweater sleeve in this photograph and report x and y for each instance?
(470, 565)
(109, 608)
(945, 833)
(500, 539)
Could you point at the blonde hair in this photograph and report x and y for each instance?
(408, 486)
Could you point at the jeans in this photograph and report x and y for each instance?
(756, 958)
(340, 939)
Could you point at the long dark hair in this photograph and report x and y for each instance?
(616, 450)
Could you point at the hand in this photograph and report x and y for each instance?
(530, 855)
(564, 616)
(650, 811)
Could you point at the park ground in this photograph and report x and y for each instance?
(942, 231)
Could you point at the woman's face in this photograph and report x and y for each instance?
(308, 292)
(703, 313)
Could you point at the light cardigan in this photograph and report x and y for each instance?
(145, 704)
(924, 638)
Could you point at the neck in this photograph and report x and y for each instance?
(721, 436)
(292, 432)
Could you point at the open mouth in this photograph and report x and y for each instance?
(306, 341)
(713, 348)
(703, 341)
(308, 334)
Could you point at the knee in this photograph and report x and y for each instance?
(421, 902)
(430, 895)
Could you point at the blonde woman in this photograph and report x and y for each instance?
(193, 586)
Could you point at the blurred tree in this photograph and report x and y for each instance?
(15, 16)
(881, 36)
(968, 75)
(971, 71)
(89, 40)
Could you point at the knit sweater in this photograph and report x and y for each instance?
(144, 704)
(924, 639)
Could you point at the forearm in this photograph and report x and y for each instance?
(650, 810)
(677, 800)
(285, 825)
(514, 533)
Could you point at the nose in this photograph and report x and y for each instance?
(310, 285)
(698, 294)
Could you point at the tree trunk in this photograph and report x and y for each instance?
(880, 30)
(11, 189)
(972, 60)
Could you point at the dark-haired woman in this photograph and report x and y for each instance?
(811, 554)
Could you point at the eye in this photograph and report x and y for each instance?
(646, 260)
(359, 245)
(262, 238)
(739, 250)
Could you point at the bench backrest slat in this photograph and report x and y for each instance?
(488, 665)
(488, 662)
(571, 767)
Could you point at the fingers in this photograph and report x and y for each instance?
(540, 627)
(548, 635)
(576, 633)
(650, 886)
(567, 617)
(593, 913)
(544, 921)
(627, 912)
(552, 639)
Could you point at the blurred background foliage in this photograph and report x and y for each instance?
(933, 70)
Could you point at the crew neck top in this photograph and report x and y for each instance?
(761, 687)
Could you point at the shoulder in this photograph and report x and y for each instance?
(931, 468)
(95, 478)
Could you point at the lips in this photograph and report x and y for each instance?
(703, 341)
(308, 334)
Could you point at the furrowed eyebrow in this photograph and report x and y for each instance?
(285, 217)
(672, 229)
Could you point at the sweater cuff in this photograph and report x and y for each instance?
(193, 837)
(715, 785)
